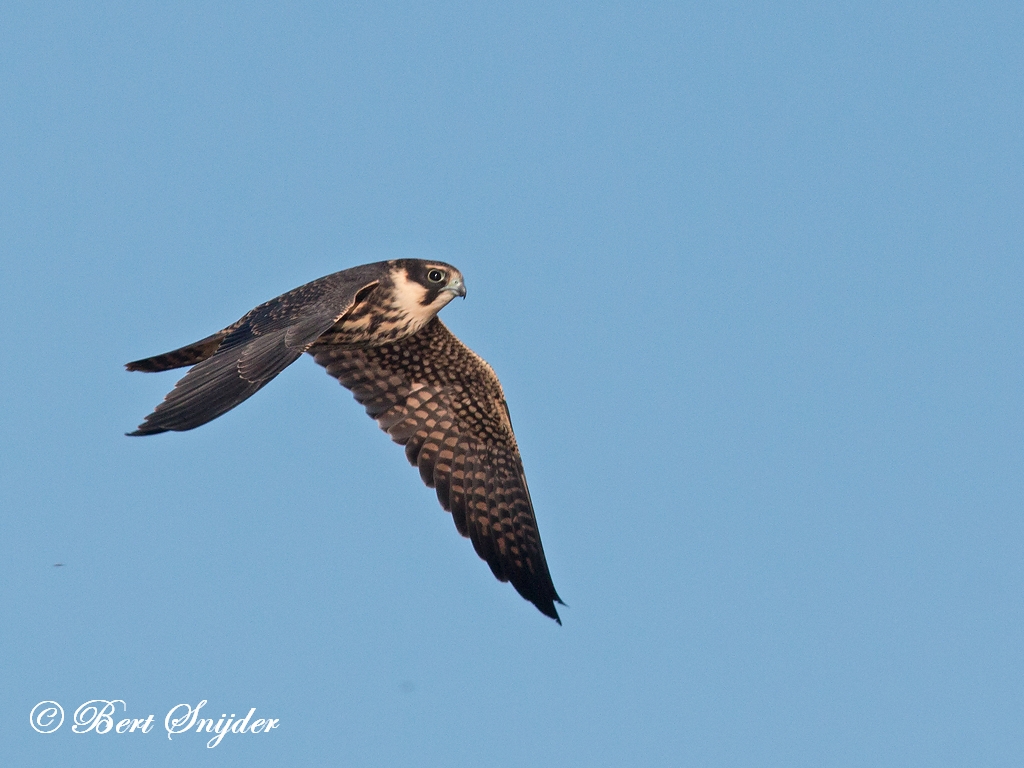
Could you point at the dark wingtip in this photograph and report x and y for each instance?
(143, 430)
(548, 609)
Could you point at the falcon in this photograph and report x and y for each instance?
(375, 329)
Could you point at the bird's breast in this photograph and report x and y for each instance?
(371, 323)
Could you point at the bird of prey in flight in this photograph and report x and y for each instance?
(375, 329)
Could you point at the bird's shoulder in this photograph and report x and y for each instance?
(326, 297)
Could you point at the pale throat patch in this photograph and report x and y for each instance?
(409, 296)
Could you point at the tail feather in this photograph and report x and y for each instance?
(180, 358)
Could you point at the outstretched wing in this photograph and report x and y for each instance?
(235, 363)
(433, 395)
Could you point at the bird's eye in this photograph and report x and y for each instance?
(435, 275)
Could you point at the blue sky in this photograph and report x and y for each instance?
(750, 275)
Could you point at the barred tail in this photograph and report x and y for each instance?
(179, 358)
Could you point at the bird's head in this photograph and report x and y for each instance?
(422, 288)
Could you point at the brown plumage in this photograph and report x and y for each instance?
(375, 329)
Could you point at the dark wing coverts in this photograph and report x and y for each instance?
(235, 363)
(436, 397)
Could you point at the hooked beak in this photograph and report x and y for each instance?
(457, 287)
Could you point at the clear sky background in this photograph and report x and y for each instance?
(751, 275)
